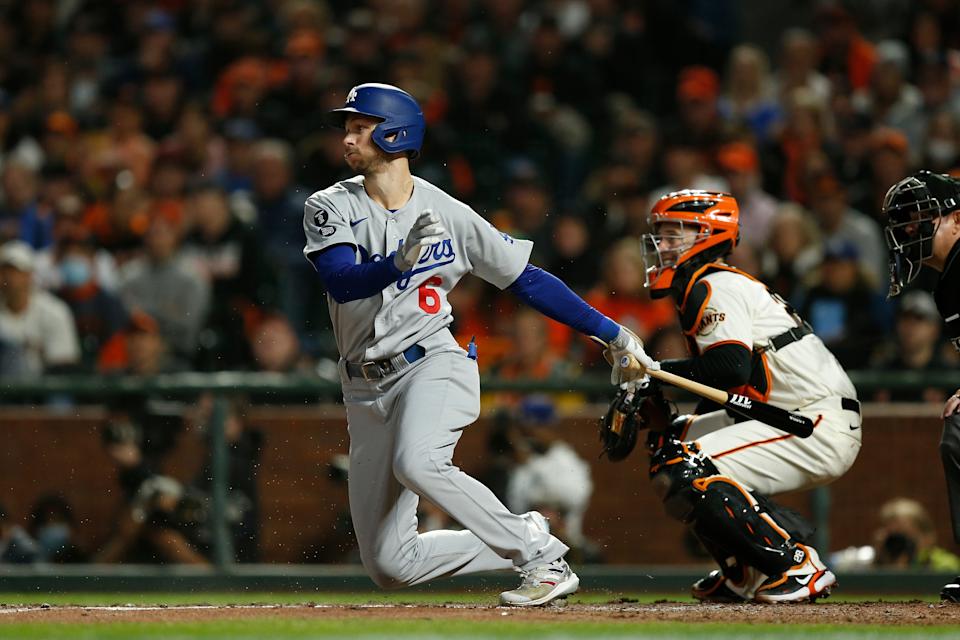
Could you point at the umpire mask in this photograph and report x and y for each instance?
(913, 208)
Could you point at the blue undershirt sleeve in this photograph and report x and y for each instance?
(347, 281)
(550, 296)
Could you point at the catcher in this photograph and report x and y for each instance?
(712, 474)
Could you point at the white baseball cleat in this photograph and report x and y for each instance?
(542, 585)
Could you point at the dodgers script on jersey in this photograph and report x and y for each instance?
(414, 307)
(740, 309)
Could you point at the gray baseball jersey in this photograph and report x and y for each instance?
(404, 427)
(415, 307)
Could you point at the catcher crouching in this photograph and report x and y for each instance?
(714, 474)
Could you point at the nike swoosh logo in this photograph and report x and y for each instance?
(805, 579)
(356, 222)
(853, 428)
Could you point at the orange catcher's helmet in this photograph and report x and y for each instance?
(671, 253)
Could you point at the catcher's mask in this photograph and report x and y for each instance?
(671, 254)
(913, 208)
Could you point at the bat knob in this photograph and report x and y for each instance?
(625, 361)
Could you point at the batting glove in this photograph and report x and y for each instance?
(426, 231)
(627, 343)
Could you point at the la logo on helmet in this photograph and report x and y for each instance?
(352, 96)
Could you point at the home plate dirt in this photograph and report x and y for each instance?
(862, 613)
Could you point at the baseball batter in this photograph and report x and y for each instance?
(716, 475)
(389, 247)
(923, 228)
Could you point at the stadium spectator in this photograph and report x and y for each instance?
(847, 58)
(138, 349)
(21, 217)
(290, 111)
(245, 444)
(279, 206)
(275, 346)
(53, 526)
(940, 147)
(68, 226)
(548, 475)
(532, 356)
(842, 305)
(792, 251)
(236, 174)
(573, 253)
(16, 545)
(621, 295)
(749, 104)
(741, 169)
(907, 538)
(227, 252)
(890, 100)
(97, 313)
(698, 123)
(807, 133)
(799, 57)
(839, 222)
(37, 330)
(165, 286)
(916, 347)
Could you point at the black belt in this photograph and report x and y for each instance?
(850, 404)
(376, 369)
(787, 337)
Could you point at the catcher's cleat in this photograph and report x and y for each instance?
(714, 587)
(951, 591)
(542, 585)
(806, 581)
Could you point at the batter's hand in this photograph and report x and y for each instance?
(425, 232)
(952, 405)
(627, 343)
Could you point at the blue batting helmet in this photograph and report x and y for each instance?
(400, 114)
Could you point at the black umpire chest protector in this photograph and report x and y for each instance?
(947, 296)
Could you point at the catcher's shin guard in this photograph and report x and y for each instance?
(731, 522)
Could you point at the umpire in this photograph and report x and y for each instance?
(923, 228)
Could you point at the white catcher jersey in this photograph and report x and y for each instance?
(415, 306)
(742, 310)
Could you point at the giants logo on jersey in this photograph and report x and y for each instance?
(709, 321)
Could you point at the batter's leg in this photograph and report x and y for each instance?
(433, 404)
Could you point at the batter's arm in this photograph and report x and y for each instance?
(347, 281)
(550, 296)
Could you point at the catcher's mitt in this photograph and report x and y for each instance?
(631, 411)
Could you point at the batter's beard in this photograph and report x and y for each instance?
(366, 166)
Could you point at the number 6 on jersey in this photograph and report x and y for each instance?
(430, 298)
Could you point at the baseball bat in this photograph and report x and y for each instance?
(787, 421)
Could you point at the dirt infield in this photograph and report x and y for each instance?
(862, 613)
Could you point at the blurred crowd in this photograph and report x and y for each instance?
(155, 157)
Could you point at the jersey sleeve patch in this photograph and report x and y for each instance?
(324, 226)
